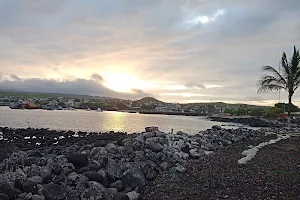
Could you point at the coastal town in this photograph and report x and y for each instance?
(145, 105)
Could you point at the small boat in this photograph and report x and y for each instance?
(88, 109)
(99, 110)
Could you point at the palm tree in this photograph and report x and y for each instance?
(288, 79)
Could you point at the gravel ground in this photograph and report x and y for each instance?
(273, 174)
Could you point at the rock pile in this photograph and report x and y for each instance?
(116, 170)
(249, 121)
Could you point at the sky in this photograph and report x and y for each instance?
(175, 50)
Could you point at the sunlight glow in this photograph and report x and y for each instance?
(203, 19)
(184, 94)
(124, 82)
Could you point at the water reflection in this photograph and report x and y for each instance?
(93, 121)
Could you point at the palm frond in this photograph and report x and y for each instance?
(269, 88)
(276, 74)
(294, 61)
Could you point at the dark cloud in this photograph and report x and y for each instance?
(77, 86)
(97, 77)
(15, 77)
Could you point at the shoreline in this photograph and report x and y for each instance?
(108, 164)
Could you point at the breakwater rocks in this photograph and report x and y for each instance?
(54, 165)
(249, 121)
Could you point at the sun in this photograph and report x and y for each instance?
(124, 83)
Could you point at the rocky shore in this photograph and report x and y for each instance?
(42, 164)
(250, 121)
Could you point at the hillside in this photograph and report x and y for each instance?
(146, 100)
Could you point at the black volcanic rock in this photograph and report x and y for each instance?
(78, 159)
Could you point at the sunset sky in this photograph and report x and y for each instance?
(174, 50)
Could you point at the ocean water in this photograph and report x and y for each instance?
(92, 121)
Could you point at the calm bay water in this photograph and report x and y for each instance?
(92, 121)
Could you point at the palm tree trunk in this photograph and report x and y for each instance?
(289, 111)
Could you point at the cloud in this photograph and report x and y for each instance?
(76, 86)
(194, 85)
(15, 77)
(97, 77)
(70, 39)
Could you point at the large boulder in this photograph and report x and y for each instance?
(118, 184)
(195, 153)
(111, 148)
(45, 173)
(112, 169)
(148, 170)
(53, 191)
(155, 147)
(78, 159)
(95, 191)
(94, 165)
(94, 176)
(54, 166)
(3, 197)
(30, 186)
(133, 177)
(151, 128)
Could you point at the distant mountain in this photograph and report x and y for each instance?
(48, 95)
(148, 100)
